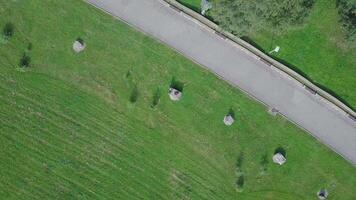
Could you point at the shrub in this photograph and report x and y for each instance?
(29, 46)
(240, 182)
(239, 162)
(8, 30)
(134, 94)
(25, 60)
(129, 73)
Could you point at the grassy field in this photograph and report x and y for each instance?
(69, 131)
(317, 50)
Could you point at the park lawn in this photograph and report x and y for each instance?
(316, 50)
(68, 130)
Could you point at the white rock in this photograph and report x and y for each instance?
(228, 120)
(78, 47)
(174, 94)
(279, 159)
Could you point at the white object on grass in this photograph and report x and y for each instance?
(275, 49)
(279, 159)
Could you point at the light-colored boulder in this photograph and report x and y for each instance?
(228, 120)
(279, 159)
(322, 194)
(78, 46)
(174, 94)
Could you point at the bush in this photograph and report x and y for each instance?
(8, 30)
(134, 95)
(239, 162)
(129, 73)
(240, 182)
(25, 60)
(29, 46)
(243, 17)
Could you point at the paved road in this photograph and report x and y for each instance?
(241, 68)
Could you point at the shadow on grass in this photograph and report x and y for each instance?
(178, 85)
(299, 71)
(281, 150)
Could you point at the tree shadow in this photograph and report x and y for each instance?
(231, 113)
(281, 150)
(178, 85)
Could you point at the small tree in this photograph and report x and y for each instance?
(240, 183)
(134, 94)
(25, 60)
(29, 46)
(8, 30)
(239, 162)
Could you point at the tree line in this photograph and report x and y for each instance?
(243, 17)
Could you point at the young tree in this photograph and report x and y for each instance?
(242, 17)
(8, 30)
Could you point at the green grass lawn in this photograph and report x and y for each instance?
(316, 50)
(68, 130)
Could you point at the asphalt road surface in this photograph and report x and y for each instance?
(240, 68)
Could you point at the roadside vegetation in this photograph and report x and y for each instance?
(316, 39)
(82, 125)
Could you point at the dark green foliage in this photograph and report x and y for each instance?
(8, 30)
(29, 46)
(177, 84)
(128, 73)
(239, 160)
(240, 182)
(25, 60)
(242, 17)
(134, 94)
(347, 10)
(156, 97)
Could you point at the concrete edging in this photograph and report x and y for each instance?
(263, 57)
